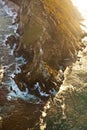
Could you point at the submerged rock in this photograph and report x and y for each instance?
(11, 40)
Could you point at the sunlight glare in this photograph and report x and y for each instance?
(81, 4)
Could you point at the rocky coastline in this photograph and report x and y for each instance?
(49, 38)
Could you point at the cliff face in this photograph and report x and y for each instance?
(49, 39)
(51, 29)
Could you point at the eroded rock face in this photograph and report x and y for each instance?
(49, 35)
(51, 28)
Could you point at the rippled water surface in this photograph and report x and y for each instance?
(22, 111)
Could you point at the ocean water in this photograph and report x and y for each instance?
(22, 111)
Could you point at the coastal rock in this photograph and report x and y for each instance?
(10, 40)
(51, 29)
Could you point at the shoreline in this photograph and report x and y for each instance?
(68, 62)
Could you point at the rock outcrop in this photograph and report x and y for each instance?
(50, 36)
